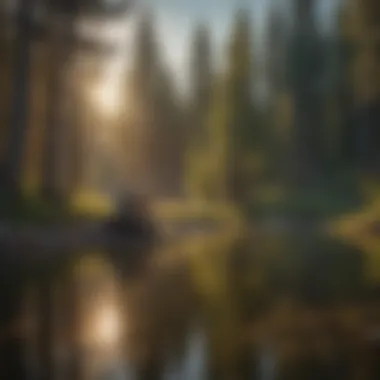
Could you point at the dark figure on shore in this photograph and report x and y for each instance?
(132, 222)
(132, 219)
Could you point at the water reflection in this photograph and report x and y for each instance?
(193, 364)
(232, 307)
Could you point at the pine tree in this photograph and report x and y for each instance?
(146, 60)
(6, 52)
(277, 41)
(366, 82)
(307, 80)
(234, 140)
(243, 135)
(57, 164)
(17, 135)
(278, 107)
(38, 104)
(201, 80)
(342, 138)
(143, 131)
(169, 137)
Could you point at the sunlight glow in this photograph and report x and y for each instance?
(108, 327)
(106, 98)
(107, 94)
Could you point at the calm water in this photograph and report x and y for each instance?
(217, 307)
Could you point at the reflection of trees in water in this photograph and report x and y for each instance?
(160, 309)
(238, 292)
(294, 292)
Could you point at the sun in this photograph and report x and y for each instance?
(106, 99)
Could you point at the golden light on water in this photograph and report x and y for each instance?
(103, 325)
(107, 327)
(102, 312)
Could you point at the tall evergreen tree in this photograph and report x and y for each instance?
(233, 137)
(244, 136)
(146, 61)
(6, 51)
(143, 131)
(201, 82)
(307, 79)
(342, 138)
(169, 137)
(366, 72)
(277, 42)
(38, 104)
(20, 101)
(57, 164)
(277, 106)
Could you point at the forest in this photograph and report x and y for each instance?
(308, 147)
(283, 137)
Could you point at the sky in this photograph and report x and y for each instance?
(175, 20)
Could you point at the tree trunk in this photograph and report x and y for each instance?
(20, 101)
(57, 158)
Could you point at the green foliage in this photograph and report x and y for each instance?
(340, 132)
(146, 55)
(231, 133)
(277, 43)
(198, 171)
(362, 31)
(238, 280)
(30, 209)
(201, 176)
(307, 83)
(19, 114)
(239, 82)
(365, 37)
(6, 52)
(277, 115)
(153, 133)
(320, 203)
(201, 77)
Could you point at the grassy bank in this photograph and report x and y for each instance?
(28, 209)
(313, 204)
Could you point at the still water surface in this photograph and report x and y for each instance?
(217, 307)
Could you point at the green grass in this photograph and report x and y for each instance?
(30, 209)
(318, 203)
(192, 209)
